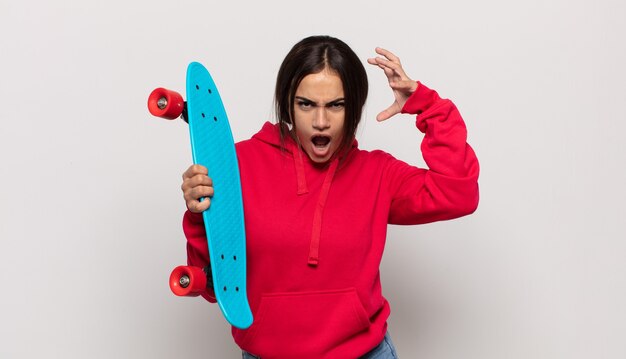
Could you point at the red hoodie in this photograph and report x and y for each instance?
(316, 234)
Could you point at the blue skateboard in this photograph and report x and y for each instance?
(212, 146)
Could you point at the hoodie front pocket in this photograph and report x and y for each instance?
(305, 324)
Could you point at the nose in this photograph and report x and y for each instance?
(321, 120)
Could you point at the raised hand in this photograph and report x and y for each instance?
(399, 82)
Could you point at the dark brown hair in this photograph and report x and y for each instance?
(310, 56)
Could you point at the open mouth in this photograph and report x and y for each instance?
(320, 141)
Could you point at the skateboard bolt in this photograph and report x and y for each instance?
(184, 281)
(162, 103)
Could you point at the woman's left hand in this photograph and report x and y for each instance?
(399, 82)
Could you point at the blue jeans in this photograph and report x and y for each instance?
(384, 350)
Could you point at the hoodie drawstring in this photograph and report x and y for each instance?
(299, 164)
(319, 211)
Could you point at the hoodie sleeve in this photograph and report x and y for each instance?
(449, 187)
(197, 247)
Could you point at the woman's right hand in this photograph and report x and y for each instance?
(196, 185)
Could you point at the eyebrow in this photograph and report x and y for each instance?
(333, 102)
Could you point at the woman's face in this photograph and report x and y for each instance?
(319, 110)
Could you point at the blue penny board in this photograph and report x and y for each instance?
(212, 146)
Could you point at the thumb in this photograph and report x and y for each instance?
(387, 113)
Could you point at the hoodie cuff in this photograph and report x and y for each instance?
(193, 218)
(420, 100)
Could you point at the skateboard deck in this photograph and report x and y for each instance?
(212, 146)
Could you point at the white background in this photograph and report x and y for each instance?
(90, 205)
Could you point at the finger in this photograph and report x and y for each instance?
(387, 113)
(372, 61)
(404, 85)
(199, 207)
(200, 180)
(379, 61)
(200, 192)
(198, 199)
(388, 54)
(395, 67)
(383, 116)
(390, 68)
(388, 72)
(195, 181)
(195, 170)
(392, 74)
(196, 193)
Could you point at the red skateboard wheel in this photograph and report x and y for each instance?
(165, 103)
(188, 281)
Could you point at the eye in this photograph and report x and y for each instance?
(304, 105)
(337, 106)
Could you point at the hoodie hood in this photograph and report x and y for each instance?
(270, 134)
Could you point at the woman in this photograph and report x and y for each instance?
(317, 207)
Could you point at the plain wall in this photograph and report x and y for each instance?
(90, 201)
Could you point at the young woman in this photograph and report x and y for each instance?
(317, 207)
